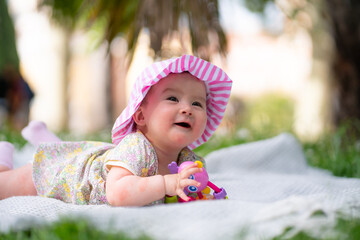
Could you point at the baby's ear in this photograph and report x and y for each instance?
(138, 117)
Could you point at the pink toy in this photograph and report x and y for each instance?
(202, 178)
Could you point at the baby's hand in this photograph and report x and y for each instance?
(175, 183)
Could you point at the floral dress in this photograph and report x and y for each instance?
(75, 172)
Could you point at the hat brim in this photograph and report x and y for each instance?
(218, 87)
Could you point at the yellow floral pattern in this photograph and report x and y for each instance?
(144, 172)
(75, 172)
(39, 156)
(71, 171)
(136, 154)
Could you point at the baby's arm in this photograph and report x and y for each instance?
(125, 189)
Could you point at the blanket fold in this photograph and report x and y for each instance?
(270, 187)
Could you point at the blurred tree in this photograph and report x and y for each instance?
(344, 19)
(340, 19)
(194, 20)
(8, 50)
(161, 18)
(15, 93)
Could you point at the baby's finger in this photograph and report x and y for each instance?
(182, 195)
(191, 165)
(189, 171)
(189, 182)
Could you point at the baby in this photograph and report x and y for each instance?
(175, 106)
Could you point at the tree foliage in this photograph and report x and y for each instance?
(161, 19)
(8, 52)
(257, 5)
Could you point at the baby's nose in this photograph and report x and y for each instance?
(186, 109)
(186, 112)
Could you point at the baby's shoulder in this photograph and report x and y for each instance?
(135, 140)
(137, 137)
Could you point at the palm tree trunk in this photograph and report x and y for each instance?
(344, 20)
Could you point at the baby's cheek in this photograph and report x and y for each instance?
(202, 127)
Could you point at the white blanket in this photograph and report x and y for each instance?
(270, 188)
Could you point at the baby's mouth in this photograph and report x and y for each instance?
(183, 124)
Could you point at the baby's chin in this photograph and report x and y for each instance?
(182, 141)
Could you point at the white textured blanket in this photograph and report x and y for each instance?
(270, 188)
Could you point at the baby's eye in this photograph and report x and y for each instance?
(172, 98)
(198, 104)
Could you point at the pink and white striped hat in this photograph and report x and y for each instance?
(218, 87)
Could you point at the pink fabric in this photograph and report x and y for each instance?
(218, 87)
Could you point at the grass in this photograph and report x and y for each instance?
(68, 229)
(337, 152)
(344, 230)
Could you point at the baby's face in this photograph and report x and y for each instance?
(175, 111)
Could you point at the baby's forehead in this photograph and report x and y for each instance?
(179, 79)
(180, 83)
